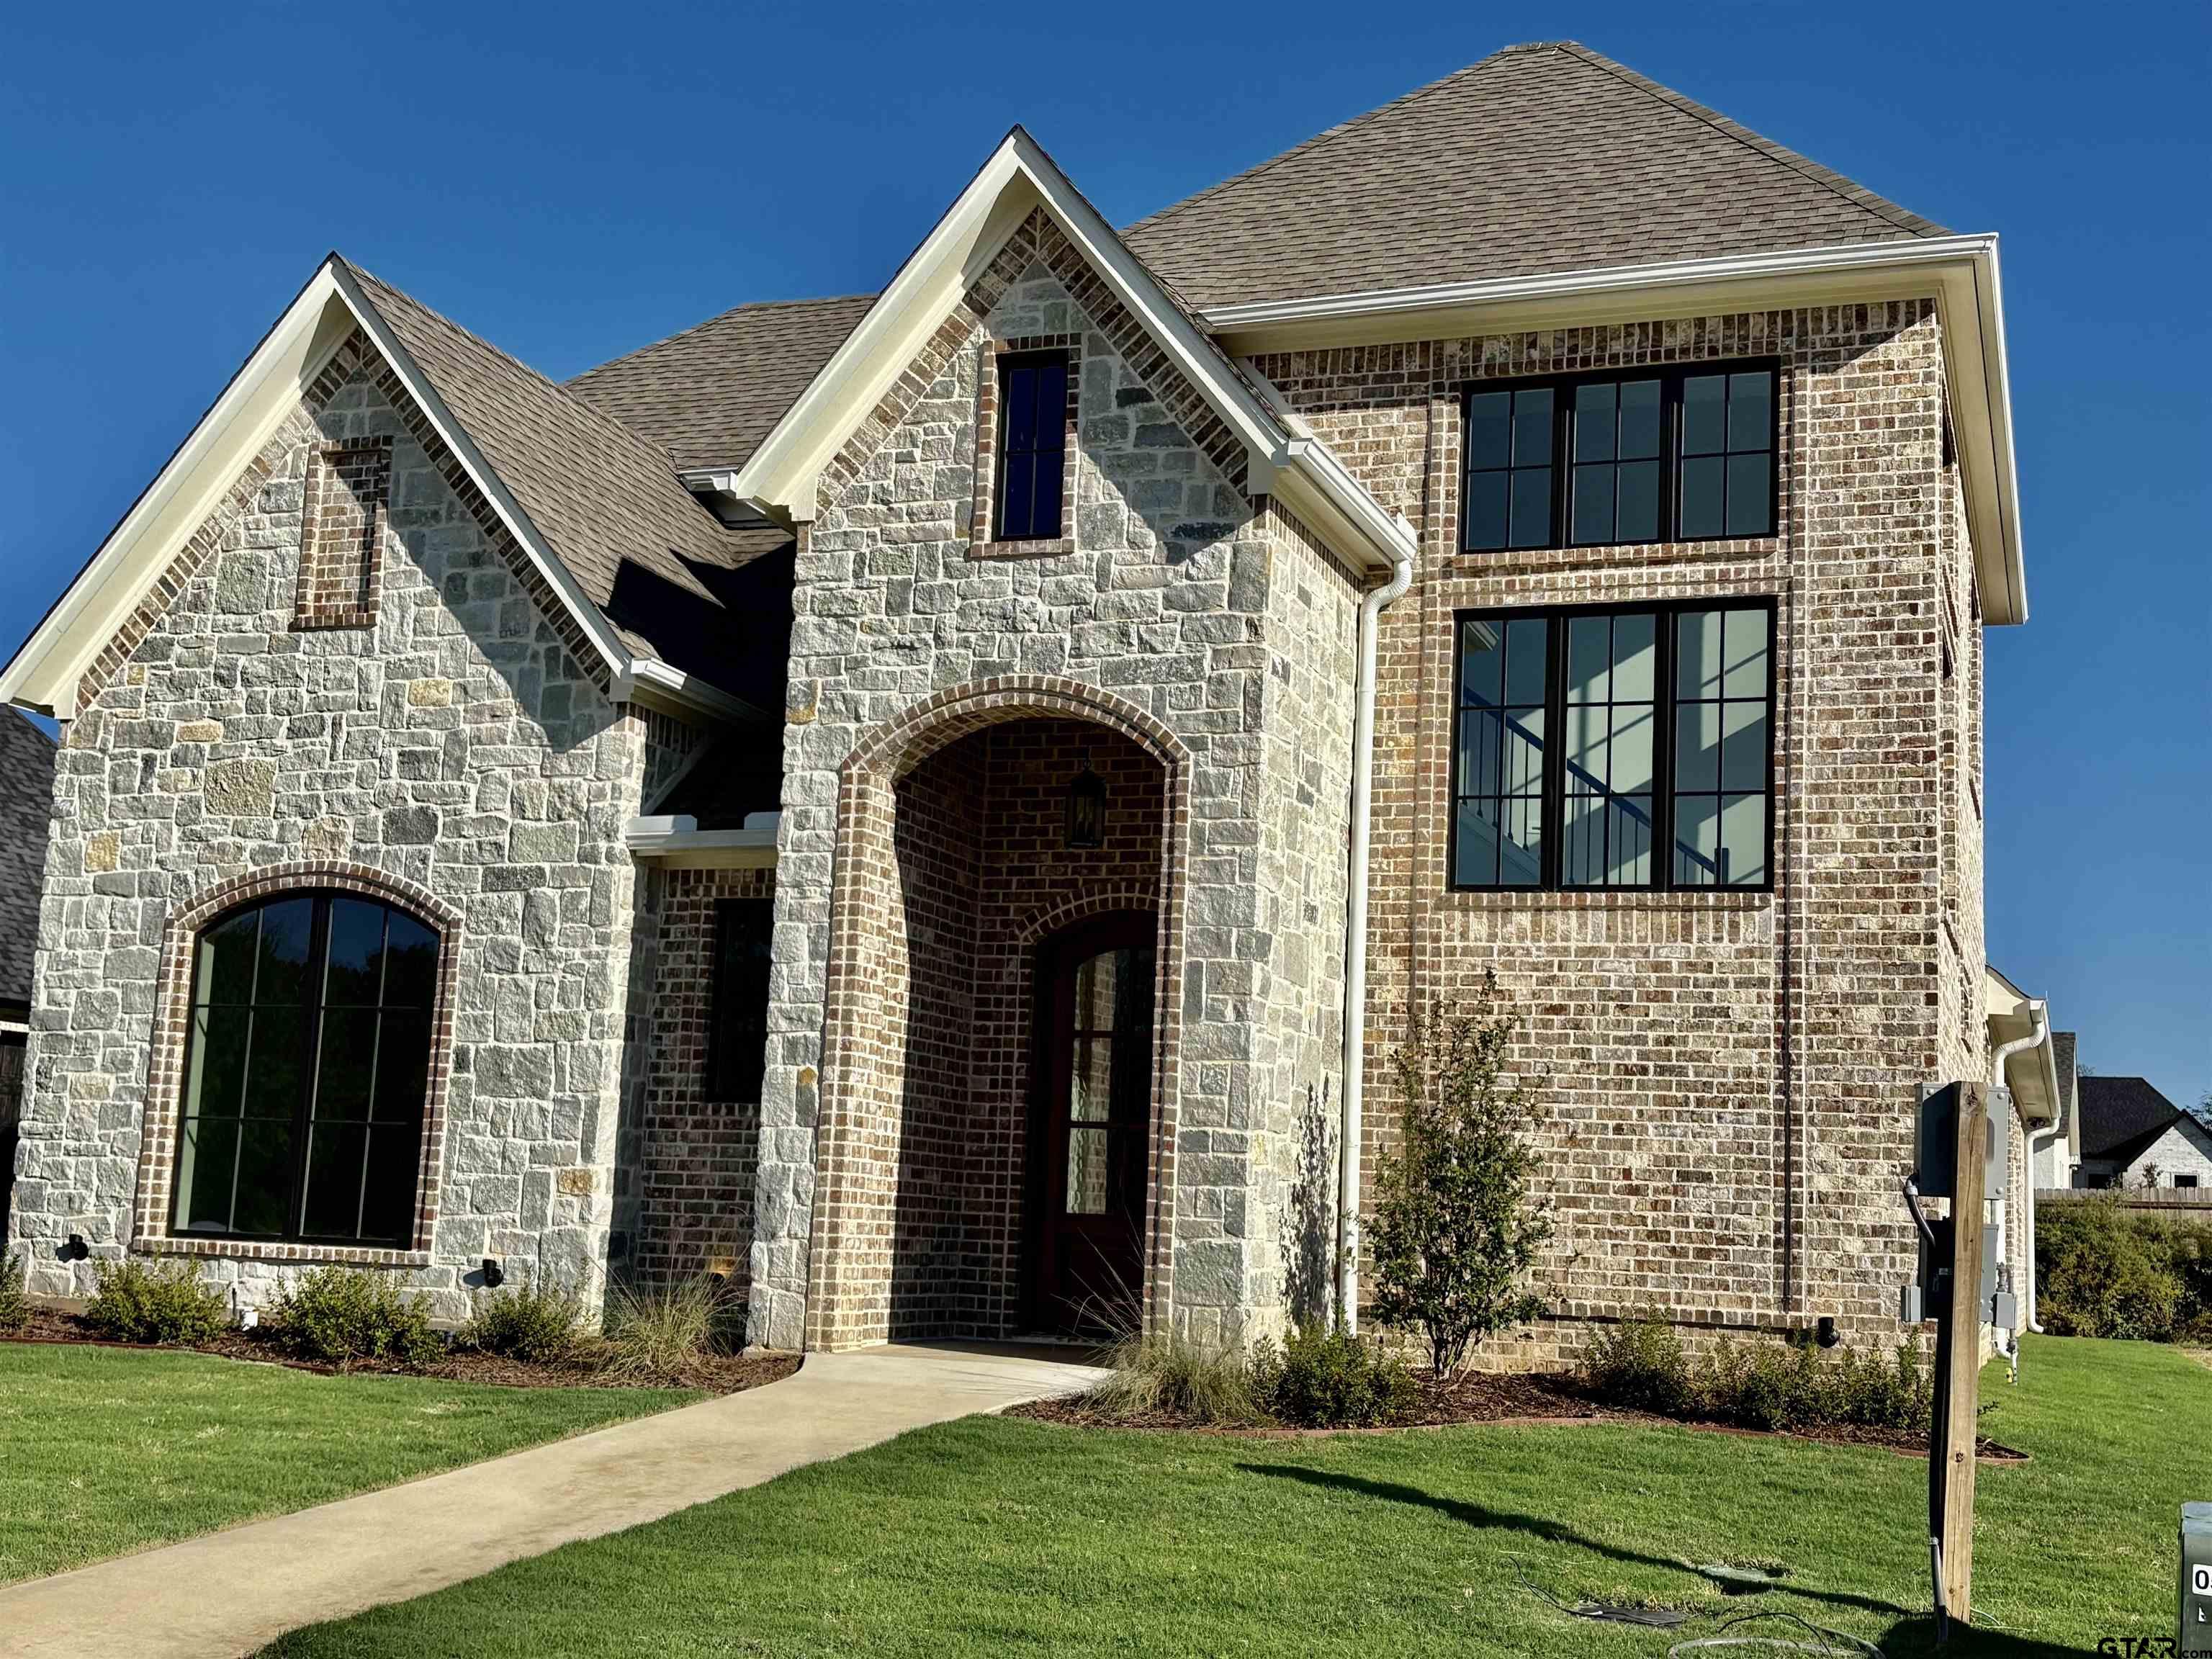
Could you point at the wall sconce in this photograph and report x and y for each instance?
(1086, 810)
(77, 1250)
(494, 1274)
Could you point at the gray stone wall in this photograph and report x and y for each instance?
(1166, 601)
(453, 744)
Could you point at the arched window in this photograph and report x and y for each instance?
(306, 1063)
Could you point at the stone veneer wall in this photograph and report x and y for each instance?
(1733, 1075)
(1164, 604)
(456, 744)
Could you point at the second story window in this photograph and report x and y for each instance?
(1623, 747)
(1032, 445)
(1597, 460)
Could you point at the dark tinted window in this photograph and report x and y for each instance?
(306, 1063)
(1032, 445)
(736, 1046)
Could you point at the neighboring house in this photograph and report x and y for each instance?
(26, 782)
(871, 796)
(2134, 1136)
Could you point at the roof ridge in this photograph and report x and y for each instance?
(709, 322)
(1337, 131)
(1840, 184)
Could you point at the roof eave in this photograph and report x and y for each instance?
(1961, 273)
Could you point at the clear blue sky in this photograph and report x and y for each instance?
(573, 180)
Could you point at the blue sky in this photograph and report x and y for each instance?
(572, 181)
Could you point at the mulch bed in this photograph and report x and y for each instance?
(715, 1374)
(1531, 1400)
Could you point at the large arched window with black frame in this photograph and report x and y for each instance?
(307, 1061)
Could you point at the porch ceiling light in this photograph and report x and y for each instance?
(1086, 810)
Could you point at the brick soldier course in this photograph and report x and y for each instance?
(461, 639)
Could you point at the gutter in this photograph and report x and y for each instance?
(679, 843)
(1355, 943)
(2039, 1011)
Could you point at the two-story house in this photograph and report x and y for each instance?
(938, 804)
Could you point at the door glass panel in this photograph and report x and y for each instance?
(1091, 1090)
(1087, 1169)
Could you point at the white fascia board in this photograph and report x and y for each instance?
(44, 672)
(579, 604)
(780, 479)
(679, 844)
(654, 683)
(1961, 273)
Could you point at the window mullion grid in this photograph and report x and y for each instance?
(1554, 780)
(1563, 463)
(1664, 716)
(303, 1122)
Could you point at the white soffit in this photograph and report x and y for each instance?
(1961, 272)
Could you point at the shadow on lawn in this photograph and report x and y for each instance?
(1917, 1635)
(1474, 1515)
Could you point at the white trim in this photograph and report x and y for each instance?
(45, 673)
(678, 844)
(654, 683)
(1961, 272)
(15, 1028)
(781, 476)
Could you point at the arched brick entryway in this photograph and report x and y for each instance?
(908, 1019)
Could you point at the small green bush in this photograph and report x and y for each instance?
(138, 1301)
(15, 1305)
(1766, 1384)
(2104, 1270)
(1325, 1379)
(342, 1314)
(656, 1333)
(1639, 1365)
(531, 1322)
(1174, 1376)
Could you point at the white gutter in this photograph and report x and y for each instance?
(2039, 1011)
(1355, 943)
(678, 842)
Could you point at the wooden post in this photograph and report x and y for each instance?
(1964, 1390)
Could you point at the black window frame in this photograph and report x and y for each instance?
(1671, 378)
(736, 1032)
(1669, 703)
(313, 1011)
(1006, 366)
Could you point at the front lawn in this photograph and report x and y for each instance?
(108, 1450)
(992, 1536)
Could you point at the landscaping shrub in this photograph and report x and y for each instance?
(342, 1314)
(657, 1332)
(1325, 1379)
(1457, 1226)
(539, 1323)
(15, 1305)
(1174, 1376)
(2104, 1270)
(138, 1301)
(1639, 1365)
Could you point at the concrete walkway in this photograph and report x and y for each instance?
(230, 1592)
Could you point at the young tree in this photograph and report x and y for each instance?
(1456, 1228)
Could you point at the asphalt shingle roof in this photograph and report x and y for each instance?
(27, 793)
(1540, 158)
(709, 395)
(2122, 1114)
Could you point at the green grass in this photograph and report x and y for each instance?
(108, 1450)
(991, 1536)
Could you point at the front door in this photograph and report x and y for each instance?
(1091, 1115)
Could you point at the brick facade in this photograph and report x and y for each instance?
(1732, 1074)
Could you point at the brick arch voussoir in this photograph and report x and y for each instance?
(895, 748)
(1065, 913)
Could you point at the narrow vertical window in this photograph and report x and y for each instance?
(1728, 455)
(1032, 445)
(1498, 823)
(1509, 468)
(1723, 683)
(737, 1041)
(1612, 716)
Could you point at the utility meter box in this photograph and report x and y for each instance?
(1936, 1154)
(2196, 1578)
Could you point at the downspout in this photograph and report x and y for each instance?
(1355, 943)
(2040, 1011)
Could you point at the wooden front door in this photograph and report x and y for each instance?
(1090, 1117)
